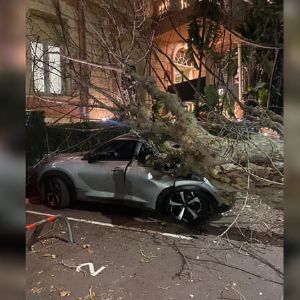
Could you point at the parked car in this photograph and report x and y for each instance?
(116, 172)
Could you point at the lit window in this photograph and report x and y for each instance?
(55, 80)
(184, 4)
(38, 66)
(163, 7)
(182, 57)
(46, 68)
(184, 66)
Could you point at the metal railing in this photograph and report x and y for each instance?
(38, 226)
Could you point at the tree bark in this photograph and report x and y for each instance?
(206, 149)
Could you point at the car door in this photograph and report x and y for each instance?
(145, 182)
(104, 172)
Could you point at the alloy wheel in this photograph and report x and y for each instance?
(185, 206)
(53, 192)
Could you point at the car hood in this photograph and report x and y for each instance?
(67, 156)
(60, 158)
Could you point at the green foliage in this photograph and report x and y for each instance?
(194, 39)
(228, 105)
(35, 136)
(211, 9)
(228, 62)
(259, 92)
(204, 44)
(264, 24)
(211, 95)
(156, 107)
(80, 137)
(71, 137)
(204, 108)
(211, 13)
(263, 97)
(205, 31)
(213, 34)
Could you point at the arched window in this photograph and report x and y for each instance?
(184, 66)
(164, 7)
(182, 58)
(184, 4)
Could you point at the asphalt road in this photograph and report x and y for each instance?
(120, 216)
(139, 255)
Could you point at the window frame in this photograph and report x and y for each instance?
(142, 159)
(46, 69)
(96, 153)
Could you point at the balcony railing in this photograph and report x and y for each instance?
(235, 8)
(164, 7)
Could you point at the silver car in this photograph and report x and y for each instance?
(115, 172)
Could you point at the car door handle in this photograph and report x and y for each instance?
(118, 169)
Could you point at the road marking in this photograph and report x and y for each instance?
(91, 268)
(176, 236)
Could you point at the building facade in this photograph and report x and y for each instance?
(68, 91)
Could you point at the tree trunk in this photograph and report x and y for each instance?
(207, 150)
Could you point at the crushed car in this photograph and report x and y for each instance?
(129, 169)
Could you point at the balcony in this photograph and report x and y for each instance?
(163, 7)
(185, 90)
(175, 13)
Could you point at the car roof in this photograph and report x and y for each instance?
(132, 136)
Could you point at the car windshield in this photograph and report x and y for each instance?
(114, 150)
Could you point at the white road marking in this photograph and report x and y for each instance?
(176, 236)
(91, 268)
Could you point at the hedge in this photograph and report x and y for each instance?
(42, 139)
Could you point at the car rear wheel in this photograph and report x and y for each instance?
(55, 192)
(187, 205)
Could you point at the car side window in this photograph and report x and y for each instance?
(116, 150)
(145, 150)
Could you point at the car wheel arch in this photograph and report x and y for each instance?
(160, 201)
(62, 175)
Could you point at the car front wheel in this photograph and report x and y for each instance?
(187, 205)
(55, 192)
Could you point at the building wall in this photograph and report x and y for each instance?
(162, 64)
(44, 26)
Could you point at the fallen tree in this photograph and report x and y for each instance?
(127, 48)
(228, 161)
(207, 150)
